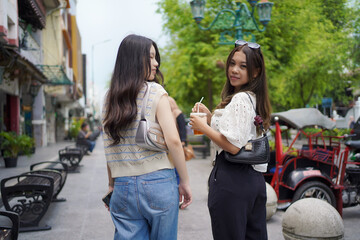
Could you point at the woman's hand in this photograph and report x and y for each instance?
(198, 123)
(204, 109)
(185, 195)
(111, 188)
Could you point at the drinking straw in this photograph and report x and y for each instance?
(199, 104)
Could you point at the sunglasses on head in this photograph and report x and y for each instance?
(250, 44)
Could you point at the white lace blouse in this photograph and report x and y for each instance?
(236, 123)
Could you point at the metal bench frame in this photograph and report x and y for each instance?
(71, 156)
(32, 199)
(83, 145)
(10, 231)
(31, 193)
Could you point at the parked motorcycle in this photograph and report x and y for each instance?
(351, 192)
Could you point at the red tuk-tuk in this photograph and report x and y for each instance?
(317, 167)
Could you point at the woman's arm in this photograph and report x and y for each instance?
(214, 135)
(174, 145)
(111, 180)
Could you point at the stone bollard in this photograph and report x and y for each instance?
(312, 218)
(271, 201)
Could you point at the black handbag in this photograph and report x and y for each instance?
(256, 151)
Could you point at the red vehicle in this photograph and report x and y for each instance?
(319, 166)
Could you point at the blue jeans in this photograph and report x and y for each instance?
(91, 145)
(146, 206)
(177, 177)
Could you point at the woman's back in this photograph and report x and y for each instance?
(127, 158)
(145, 192)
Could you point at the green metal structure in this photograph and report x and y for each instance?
(55, 74)
(235, 24)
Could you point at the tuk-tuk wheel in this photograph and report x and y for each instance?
(315, 189)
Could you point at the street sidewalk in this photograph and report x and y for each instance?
(48, 153)
(83, 215)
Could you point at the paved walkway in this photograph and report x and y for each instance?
(83, 215)
(48, 153)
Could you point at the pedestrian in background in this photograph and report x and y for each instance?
(180, 120)
(84, 137)
(237, 192)
(181, 126)
(145, 199)
(351, 122)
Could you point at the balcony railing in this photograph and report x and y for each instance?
(55, 74)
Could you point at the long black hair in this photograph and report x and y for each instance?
(132, 69)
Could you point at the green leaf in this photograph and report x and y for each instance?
(13, 144)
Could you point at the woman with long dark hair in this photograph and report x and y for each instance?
(145, 199)
(237, 192)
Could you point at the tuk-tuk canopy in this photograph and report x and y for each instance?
(304, 117)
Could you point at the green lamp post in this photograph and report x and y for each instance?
(241, 20)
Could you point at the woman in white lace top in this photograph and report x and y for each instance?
(237, 192)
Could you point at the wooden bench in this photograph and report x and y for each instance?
(56, 169)
(83, 146)
(9, 225)
(30, 194)
(71, 156)
(200, 143)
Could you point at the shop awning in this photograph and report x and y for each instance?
(55, 74)
(33, 12)
(11, 60)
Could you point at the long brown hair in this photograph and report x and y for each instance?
(258, 85)
(132, 68)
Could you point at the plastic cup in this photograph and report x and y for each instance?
(202, 117)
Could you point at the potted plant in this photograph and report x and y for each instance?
(12, 145)
(75, 127)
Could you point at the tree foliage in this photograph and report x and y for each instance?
(355, 44)
(307, 46)
(189, 61)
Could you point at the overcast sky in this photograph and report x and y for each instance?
(112, 20)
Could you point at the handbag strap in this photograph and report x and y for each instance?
(261, 125)
(145, 100)
(252, 103)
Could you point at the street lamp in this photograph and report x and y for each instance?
(240, 19)
(92, 71)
